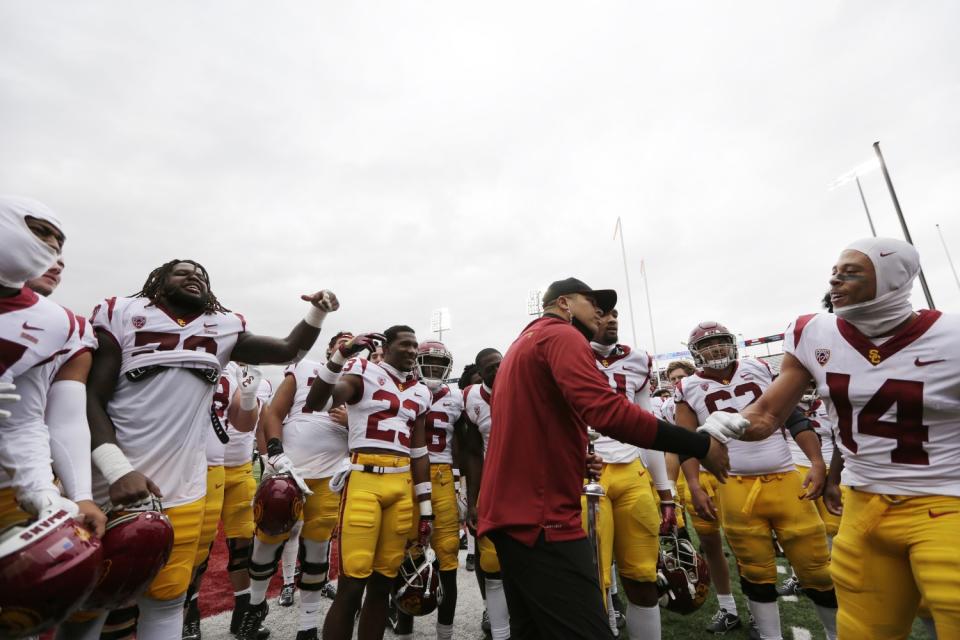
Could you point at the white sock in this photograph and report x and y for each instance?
(309, 609)
(727, 602)
(931, 628)
(497, 610)
(643, 622)
(263, 554)
(828, 618)
(160, 619)
(88, 630)
(471, 545)
(242, 592)
(444, 631)
(289, 558)
(767, 615)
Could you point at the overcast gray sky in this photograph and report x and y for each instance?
(413, 155)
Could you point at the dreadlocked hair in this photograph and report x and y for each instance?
(155, 281)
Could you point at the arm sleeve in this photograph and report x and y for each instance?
(656, 464)
(25, 442)
(66, 419)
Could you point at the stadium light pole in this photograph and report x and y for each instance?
(873, 231)
(949, 259)
(440, 321)
(854, 174)
(903, 222)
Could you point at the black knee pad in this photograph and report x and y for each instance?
(496, 575)
(265, 571)
(309, 571)
(238, 551)
(826, 599)
(120, 624)
(758, 592)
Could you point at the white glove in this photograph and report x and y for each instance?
(250, 378)
(281, 464)
(8, 395)
(43, 503)
(339, 479)
(461, 507)
(725, 426)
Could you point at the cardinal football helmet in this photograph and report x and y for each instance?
(136, 545)
(682, 575)
(48, 567)
(417, 590)
(434, 363)
(278, 504)
(717, 356)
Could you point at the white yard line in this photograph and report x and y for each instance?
(799, 633)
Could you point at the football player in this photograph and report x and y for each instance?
(630, 523)
(235, 411)
(313, 448)
(434, 363)
(891, 383)
(764, 492)
(389, 467)
(478, 419)
(150, 393)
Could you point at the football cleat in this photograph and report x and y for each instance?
(417, 590)
(723, 621)
(754, 630)
(485, 623)
(286, 595)
(191, 630)
(683, 579)
(308, 634)
(393, 615)
(48, 567)
(278, 504)
(329, 590)
(717, 356)
(136, 546)
(790, 587)
(471, 563)
(250, 624)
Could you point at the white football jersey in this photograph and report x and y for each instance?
(314, 443)
(161, 406)
(668, 410)
(628, 371)
(33, 330)
(895, 405)
(823, 425)
(445, 410)
(476, 406)
(705, 394)
(384, 416)
(239, 449)
(222, 397)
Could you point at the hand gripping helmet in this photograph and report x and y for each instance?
(719, 356)
(278, 504)
(48, 567)
(434, 363)
(683, 579)
(136, 546)
(417, 590)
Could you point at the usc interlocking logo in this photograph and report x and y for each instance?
(874, 356)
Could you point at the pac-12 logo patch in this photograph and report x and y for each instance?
(139, 321)
(382, 381)
(823, 356)
(704, 386)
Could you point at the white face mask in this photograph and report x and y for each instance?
(896, 264)
(24, 255)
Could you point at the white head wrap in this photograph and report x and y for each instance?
(24, 255)
(897, 264)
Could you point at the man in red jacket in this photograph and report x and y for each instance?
(548, 390)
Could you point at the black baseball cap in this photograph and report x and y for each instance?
(606, 298)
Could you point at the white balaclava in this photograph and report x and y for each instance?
(897, 264)
(24, 255)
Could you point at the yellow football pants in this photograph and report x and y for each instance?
(174, 578)
(376, 515)
(629, 522)
(212, 507)
(753, 506)
(320, 512)
(830, 521)
(445, 538)
(709, 483)
(892, 551)
(10, 511)
(239, 487)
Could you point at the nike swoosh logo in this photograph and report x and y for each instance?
(921, 363)
(218, 486)
(207, 326)
(29, 328)
(942, 513)
(884, 255)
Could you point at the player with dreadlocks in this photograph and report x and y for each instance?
(149, 397)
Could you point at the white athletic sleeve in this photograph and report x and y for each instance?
(24, 442)
(656, 464)
(70, 437)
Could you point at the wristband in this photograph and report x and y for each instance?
(422, 489)
(314, 316)
(328, 376)
(418, 452)
(246, 404)
(274, 447)
(338, 358)
(426, 509)
(111, 462)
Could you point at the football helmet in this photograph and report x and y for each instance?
(717, 356)
(278, 504)
(136, 545)
(48, 567)
(434, 363)
(417, 590)
(683, 579)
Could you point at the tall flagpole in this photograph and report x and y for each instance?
(626, 274)
(903, 223)
(865, 207)
(653, 337)
(949, 259)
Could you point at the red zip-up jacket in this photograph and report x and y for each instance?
(548, 389)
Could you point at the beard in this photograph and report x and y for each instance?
(185, 300)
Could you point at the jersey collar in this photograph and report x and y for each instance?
(26, 298)
(619, 352)
(875, 354)
(709, 375)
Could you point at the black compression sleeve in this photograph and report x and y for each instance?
(680, 441)
(798, 423)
